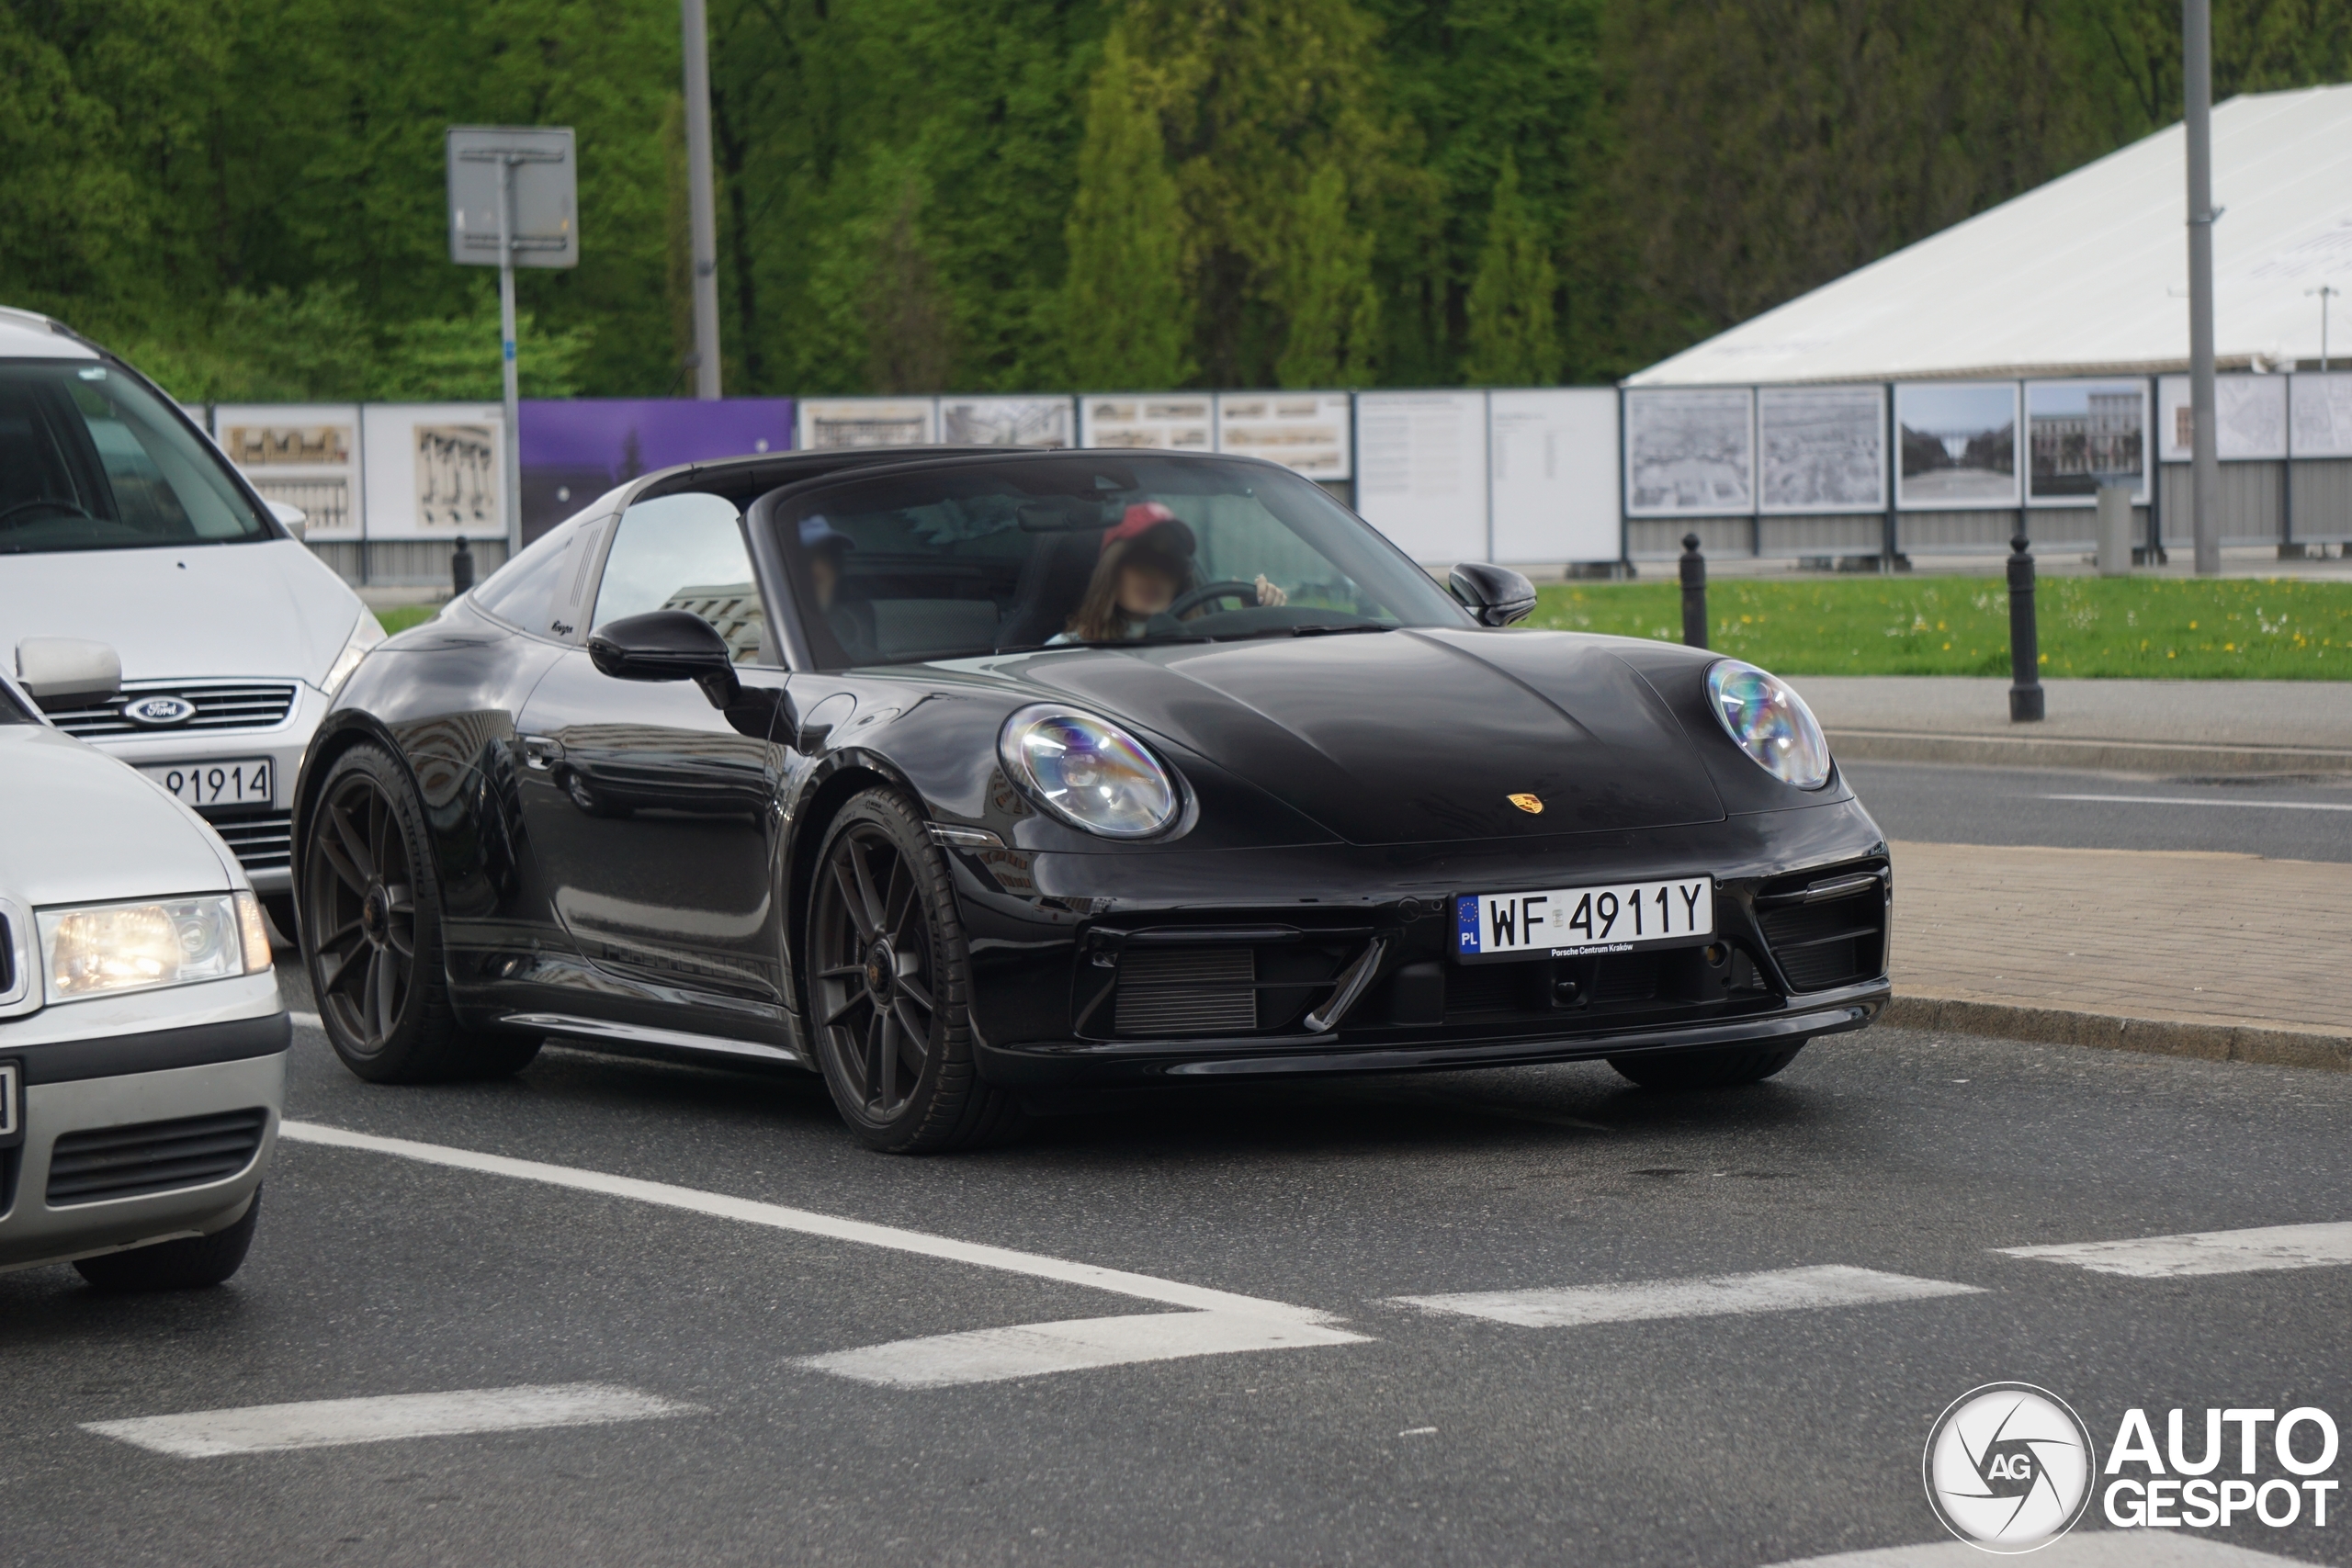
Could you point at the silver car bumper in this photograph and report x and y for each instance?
(141, 1136)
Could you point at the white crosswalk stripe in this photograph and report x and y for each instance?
(331, 1423)
(1031, 1350)
(2204, 1252)
(1779, 1290)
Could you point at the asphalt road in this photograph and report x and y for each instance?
(1750, 1438)
(2305, 817)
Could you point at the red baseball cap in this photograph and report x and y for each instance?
(1145, 517)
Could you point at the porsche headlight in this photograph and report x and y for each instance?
(364, 635)
(1088, 771)
(1763, 714)
(133, 947)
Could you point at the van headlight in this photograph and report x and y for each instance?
(1088, 771)
(1766, 719)
(366, 635)
(108, 948)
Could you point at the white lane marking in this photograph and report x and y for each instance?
(2196, 800)
(2204, 1252)
(1779, 1290)
(2082, 1549)
(806, 1222)
(1031, 1350)
(305, 1020)
(330, 1422)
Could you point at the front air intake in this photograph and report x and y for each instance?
(1207, 990)
(153, 1157)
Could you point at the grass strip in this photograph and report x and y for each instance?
(2267, 628)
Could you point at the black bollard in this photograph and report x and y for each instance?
(461, 567)
(1694, 594)
(2025, 642)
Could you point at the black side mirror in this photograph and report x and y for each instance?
(667, 645)
(1496, 594)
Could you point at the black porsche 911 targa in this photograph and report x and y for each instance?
(967, 776)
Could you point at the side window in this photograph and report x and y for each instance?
(532, 590)
(684, 552)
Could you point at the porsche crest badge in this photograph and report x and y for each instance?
(1531, 804)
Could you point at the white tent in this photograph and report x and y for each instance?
(2089, 273)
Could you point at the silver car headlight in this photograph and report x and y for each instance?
(1088, 771)
(108, 948)
(366, 635)
(1768, 720)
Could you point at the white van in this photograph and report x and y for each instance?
(121, 522)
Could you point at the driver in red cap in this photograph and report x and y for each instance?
(1146, 562)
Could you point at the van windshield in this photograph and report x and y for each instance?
(92, 461)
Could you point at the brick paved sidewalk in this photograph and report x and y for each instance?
(2193, 954)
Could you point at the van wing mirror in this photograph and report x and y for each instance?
(293, 519)
(62, 672)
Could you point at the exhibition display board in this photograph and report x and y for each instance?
(1167, 422)
(430, 471)
(2322, 409)
(1689, 452)
(301, 455)
(2083, 433)
(1821, 449)
(1307, 433)
(1007, 421)
(1421, 472)
(835, 422)
(2249, 423)
(1956, 445)
(1546, 448)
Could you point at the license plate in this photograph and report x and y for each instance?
(1565, 921)
(242, 780)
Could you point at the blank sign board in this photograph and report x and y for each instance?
(546, 223)
(1553, 454)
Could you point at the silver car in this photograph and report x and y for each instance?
(120, 521)
(142, 1043)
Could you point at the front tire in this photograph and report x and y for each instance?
(371, 934)
(889, 982)
(1724, 1068)
(188, 1263)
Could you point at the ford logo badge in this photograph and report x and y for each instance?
(158, 710)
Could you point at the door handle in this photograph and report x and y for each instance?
(541, 752)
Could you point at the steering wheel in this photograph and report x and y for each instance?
(1209, 593)
(55, 503)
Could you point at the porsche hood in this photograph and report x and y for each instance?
(1414, 736)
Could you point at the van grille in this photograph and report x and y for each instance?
(219, 705)
(151, 1156)
(1209, 991)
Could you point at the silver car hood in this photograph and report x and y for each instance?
(249, 610)
(83, 829)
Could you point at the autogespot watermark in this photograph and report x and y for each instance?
(2010, 1468)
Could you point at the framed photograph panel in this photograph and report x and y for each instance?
(2250, 423)
(2081, 434)
(1956, 445)
(1307, 433)
(1166, 421)
(303, 454)
(836, 422)
(1822, 450)
(1007, 421)
(2322, 409)
(1689, 452)
(432, 470)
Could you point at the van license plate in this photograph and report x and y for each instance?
(242, 780)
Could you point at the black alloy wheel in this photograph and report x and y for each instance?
(371, 934)
(889, 982)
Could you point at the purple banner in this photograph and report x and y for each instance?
(576, 450)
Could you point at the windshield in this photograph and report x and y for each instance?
(92, 461)
(953, 561)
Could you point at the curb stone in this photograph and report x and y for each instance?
(2150, 1036)
(2094, 756)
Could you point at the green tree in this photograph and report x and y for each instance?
(1322, 282)
(1514, 335)
(1127, 318)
